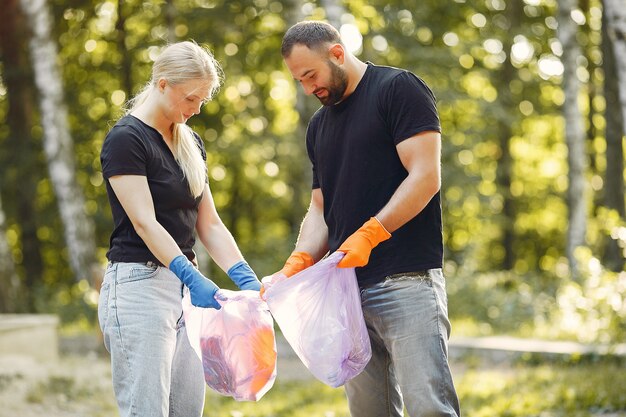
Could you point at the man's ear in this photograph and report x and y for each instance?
(337, 53)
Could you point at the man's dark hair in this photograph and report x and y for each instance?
(312, 34)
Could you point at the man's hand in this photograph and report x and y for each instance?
(359, 245)
(297, 261)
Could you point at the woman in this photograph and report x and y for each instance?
(155, 171)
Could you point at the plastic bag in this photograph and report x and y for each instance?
(319, 312)
(236, 344)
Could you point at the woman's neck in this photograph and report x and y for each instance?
(149, 113)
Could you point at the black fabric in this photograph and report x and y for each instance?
(352, 146)
(133, 148)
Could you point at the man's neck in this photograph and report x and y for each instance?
(356, 69)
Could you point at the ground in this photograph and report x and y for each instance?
(78, 384)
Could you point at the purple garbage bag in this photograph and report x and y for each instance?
(236, 344)
(319, 312)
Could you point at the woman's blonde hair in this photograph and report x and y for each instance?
(178, 63)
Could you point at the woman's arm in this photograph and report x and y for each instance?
(134, 194)
(214, 235)
(220, 244)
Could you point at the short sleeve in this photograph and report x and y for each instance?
(409, 107)
(123, 153)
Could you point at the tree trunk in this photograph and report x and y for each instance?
(170, 14)
(574, 133)
(505, 131)
(120, 28)
(58, 147)
(616, 31)
(592, 131)
(300, 178)
(614, 177)
(9, 282)
(21, 167)
(334, 10)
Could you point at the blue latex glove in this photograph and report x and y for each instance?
(201, 289)
(245, 278)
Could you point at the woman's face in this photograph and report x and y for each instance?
(181, 101)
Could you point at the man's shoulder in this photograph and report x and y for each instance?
(319, 114)
(392, 80)
(384, 73)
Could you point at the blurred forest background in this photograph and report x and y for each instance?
(532, 100)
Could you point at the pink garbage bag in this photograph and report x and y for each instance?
(319, 312)
(236, 344)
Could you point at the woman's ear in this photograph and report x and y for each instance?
(161, 84)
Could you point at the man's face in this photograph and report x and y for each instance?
(318, 74)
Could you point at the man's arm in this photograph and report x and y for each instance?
(312, 242)
(421, 157)
(313, 237)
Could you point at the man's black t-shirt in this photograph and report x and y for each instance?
(352, 146)
(134, 148)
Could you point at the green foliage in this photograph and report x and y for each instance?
(499, 302)
(595, 310)
(491, 64)
(549, 305)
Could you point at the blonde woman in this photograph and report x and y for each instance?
(155, 172)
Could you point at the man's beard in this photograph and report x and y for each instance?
(337, 87)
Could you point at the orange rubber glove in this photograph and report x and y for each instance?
(359, 245)
(296, 262)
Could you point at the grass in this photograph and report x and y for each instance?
(286, 399)
(533, 387)
(545, 391)
(523, 390)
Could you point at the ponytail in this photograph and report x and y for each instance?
(189, 157)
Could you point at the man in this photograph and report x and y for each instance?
(375, 148)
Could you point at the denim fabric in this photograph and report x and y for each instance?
(155, 371)
(407, 321)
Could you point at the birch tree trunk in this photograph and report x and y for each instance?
(614, 175)
(58, 147)
(9, 282)
(615, 11)
(574, 132)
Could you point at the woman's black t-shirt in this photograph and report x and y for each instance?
(352, 146)
(133, 148)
